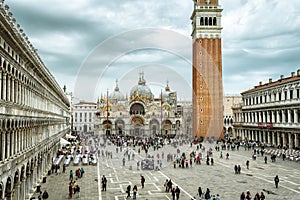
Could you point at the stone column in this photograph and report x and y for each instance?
(257, 135)
(25, 138)
(283, 116)
(2, 132)
(17, 191)
(289, 116)
(23, 94)
(290, 140)
(296, 140)
(8, 142)
(12, 143)
(277, 113)
(22, 189)
(4, 86)
(19, 92)
(13, 89)
(273, 138)
(269, 137)
(273, 116)
(284, 139)
(268, 116)
(8, 87)
(295, 116)
(16, 91)
(1, 91)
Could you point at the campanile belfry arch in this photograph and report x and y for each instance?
(207, 69)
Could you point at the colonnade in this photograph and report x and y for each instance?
(272, 137)
(288, 115)
(20, 88)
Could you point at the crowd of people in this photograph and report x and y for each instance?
(181, 160)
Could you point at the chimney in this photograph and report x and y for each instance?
(260, 83)
(281, 77)
(298, 72)
(270, 80)
(292, 74)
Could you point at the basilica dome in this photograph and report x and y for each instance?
(165, 95)
(141, 91)
(117, 95)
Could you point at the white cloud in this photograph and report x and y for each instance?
(260, 39)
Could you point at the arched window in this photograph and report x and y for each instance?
(201, 21)
(215, 21)
(210, 21)
(206, 21)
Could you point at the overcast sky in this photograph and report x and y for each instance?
(88, 44)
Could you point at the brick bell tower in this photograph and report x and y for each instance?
(207, 69)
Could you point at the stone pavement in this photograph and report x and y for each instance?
(220, 178)
(57, 186)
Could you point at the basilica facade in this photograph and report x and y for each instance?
(140, 113)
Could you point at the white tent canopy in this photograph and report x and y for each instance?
(63, 141)
(70, 136)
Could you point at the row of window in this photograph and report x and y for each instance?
(10, 51)
(80, 120)
(86, 107)
(83, 114)
(208, 21)
(280, 116)
(285, 95)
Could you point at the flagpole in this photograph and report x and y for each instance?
(160, 112)
(107, 112)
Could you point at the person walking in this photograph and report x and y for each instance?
(128, 191)
(70, 190)
(227, 156)
(142, 181)
(200, 193)
(276, 180)
(71, 175)
(138, 165)
(166, 185)
(248, 195)
(247, 164)
(266, 159)
(177, 192)
(134, 191)
(207, 194)
(169, 185)
(243, 196)
(173, 193)
(103, 181)
(262, 196)
(45, 195)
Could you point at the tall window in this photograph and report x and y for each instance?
(279, 96)
(285, 95)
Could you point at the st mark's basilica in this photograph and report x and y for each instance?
(141, 113)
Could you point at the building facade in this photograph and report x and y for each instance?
(84, 114)
(140, 114)
(230, 101)
(34, 112)
(207, 69)
(270, 112)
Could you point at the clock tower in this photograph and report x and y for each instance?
(207, 69)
